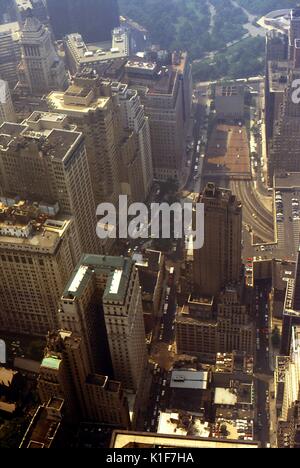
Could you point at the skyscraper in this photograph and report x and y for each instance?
(92, 110)
(291, 312)
(133, 117)
(7, 112)
(65, 373)
(117, 135)
(287, 378)
(166, 92)
(44, 159)
(38, 251)
(41, 67)
(104, 295)
(10, 52)
(203, 330)
(218, 263)
(93, 19)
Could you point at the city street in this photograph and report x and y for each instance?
(263, 373)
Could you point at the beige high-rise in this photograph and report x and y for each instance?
(37, 255)
(104, 294)
(41, 68)
(65, 373)
(219, 262)
(90, 107)
(166, 93)
(202, 332)
(44, 159)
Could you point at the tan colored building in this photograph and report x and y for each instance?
(219, 262)
(41, 69)
(287, 381)
(116, 133)
(103, 295)
(235, 328)
(128, 439)
(166, 93)
(203, 328)
(134, 118)
(44, 159)
(7, 112)
(10, 52)
(38, 251)
(89, 105)
(65, 373)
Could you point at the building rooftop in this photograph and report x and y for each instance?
(229, 91)
(225, 396)
(197, 380)
(237, 393)
(89, 54)
(116, 269)
(128, 439)
(54, 142)
(31, 225)
(43, 429)
(76, 100)
(51, 362)
(177, 424)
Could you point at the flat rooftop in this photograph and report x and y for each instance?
(41, 431)
(117, 270)
(85, 54)
(127, 439)
(56, 100)
(55, 143)
(229, 91)
(197, 380)
(31, 228)
(177, 424)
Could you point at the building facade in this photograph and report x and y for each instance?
(41, 68)
(7, 112)
(106, 291)
(43, 159)
(218, 263)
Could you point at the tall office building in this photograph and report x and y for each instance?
(44, 159)
(10, 52)
(93, 19)
(116, 132)
(103, 296)
(291, 311)
(65, 373)
(134, 118)
(41, 67)
(38, 251)
(218, 263)
(204, 328)
(7, 112)
(166, 92)
(287, 380)
(283, 119)
(284, 146)
(294, 31)
(91, 108)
